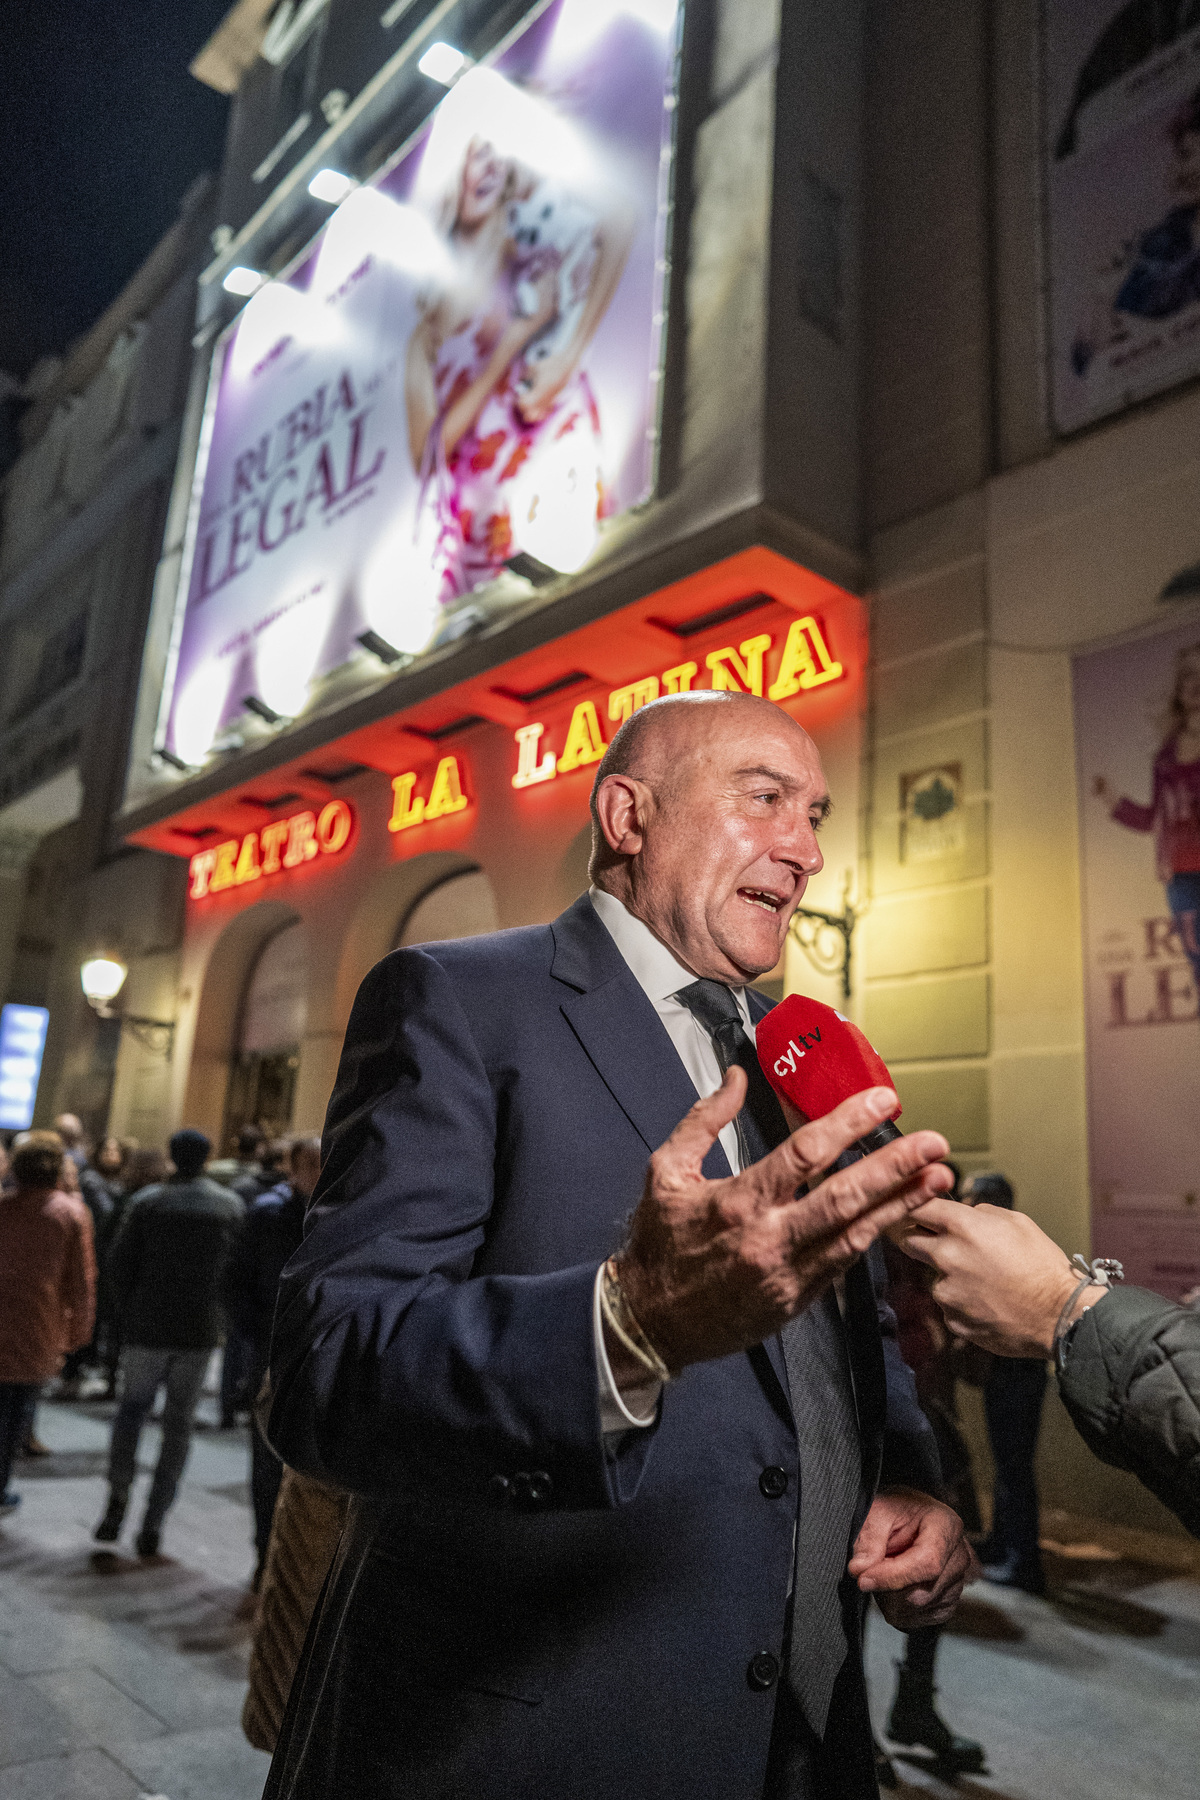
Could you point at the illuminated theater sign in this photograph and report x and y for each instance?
(805, 663)
(282, 845)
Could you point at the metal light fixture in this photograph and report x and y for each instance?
(379, 646)
(102, 978)
(331, 186)
(532, 569)
(172, 761)
(261, 710)
(243, 281)
(443, 63)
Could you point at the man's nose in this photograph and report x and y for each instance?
(803, 849)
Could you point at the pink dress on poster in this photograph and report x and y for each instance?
(487, 494)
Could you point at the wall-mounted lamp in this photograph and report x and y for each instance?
(827, 939)
(102, 978)
(243, 281)
(261, 710)
(331, 186)
(379, 646)
(443, 63)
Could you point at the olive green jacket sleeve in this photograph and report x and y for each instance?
(1132, 1385)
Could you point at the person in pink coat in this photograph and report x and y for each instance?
(47, 1286)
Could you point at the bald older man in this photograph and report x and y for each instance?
(563, 1321)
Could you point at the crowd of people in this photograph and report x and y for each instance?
(122, 1269)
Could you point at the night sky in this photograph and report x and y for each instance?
(102, 131)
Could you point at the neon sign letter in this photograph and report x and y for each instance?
(529, 769)
(446, 796)
(805, 662)
(283, 844)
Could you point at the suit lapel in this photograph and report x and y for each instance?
(631, 1051)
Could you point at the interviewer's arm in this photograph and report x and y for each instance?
(1131, 1371)
(1131, 1383)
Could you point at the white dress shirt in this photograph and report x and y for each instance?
(661, 977)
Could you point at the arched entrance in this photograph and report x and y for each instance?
(219, 1014)
(459, 906)
(271, 1026)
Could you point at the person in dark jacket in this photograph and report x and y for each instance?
(1014, 1392)
(99, 1186)
(165, 1266)
(1128, 1361)
(245, 1175)
(270, 1234)
(934, 1359)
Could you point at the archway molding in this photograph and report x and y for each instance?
(228, 970)
(388, 900)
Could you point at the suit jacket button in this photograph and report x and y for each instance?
(773, 1483)
(763, 1670)
(522, 1488)
(499, 1490)
(541, 1487)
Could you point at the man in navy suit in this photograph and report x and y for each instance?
(569, 1335)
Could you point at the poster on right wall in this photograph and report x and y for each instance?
(1137, 740)
(1122, 154)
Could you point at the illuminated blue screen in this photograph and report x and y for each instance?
(22, 1040)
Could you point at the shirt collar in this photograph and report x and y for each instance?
(659, 973)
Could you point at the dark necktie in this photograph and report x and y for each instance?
(822, 1396)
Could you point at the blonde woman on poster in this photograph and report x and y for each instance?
(1174, 810)
(504, 427)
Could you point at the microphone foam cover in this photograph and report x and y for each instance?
(815, 1058)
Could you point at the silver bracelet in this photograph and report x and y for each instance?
(1102, 1272)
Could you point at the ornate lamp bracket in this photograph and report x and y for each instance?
(826, 938)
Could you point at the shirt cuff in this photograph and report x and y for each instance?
(615, 1415)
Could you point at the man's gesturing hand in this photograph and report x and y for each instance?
(913, 1555)
(717, 1266)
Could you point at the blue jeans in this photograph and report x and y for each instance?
(143, 1372)
(17, 1401)
(1183, 898)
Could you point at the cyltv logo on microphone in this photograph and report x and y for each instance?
(786, 1064)
(815, 1057)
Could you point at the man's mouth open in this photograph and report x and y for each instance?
(771, 903)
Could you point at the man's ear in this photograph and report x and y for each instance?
(619, 809)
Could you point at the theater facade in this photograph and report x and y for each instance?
(646, 348)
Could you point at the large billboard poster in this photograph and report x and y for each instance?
(1122, 124)
(463, 369)
(1137, 726)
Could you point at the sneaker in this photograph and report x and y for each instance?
(109, 1528)
(147, 1541)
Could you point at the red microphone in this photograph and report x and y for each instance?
(815, 1058)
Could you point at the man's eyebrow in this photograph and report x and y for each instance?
(761, 771)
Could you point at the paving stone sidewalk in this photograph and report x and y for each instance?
(118, 1678)
(121, 1680)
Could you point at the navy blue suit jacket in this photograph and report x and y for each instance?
(517, 1608)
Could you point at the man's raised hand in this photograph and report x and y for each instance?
(711, 1267)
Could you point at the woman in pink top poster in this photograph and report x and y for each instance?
(1173, 814)
(504, 428)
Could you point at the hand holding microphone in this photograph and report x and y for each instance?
(712, 1267)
